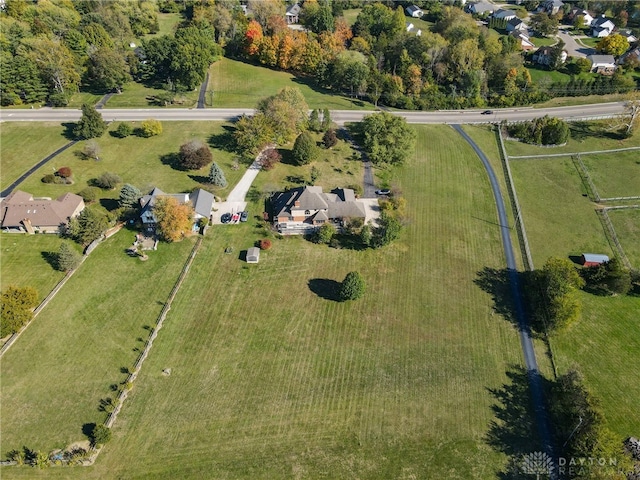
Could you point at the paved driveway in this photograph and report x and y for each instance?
(573, 48)
(236, 200)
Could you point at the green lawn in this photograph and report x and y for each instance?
(586, 100)
(627, 226)
(139, 161)
(539, 75)
(615, 174)
(238, 84)
(543, 41)
(24, 261)
(270, 380)
(83, 339)
(590, 41)
(24, 144)
(585, 137)
(136, 95)
(80, 98)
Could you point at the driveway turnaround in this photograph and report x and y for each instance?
(535, 383)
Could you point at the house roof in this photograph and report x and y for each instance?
(293, 10)
(504, 14)
(514, 22)
(253, 254)
(554, 3)
(341, 202)
(413, 9)
(595, 257)
(482, 6)
(148, 201)
(19, 206)
(202, 202)
(601, 21)
(602, 59)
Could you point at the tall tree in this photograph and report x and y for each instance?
(352, 287)
(107, 70)
(216, 176)
(87, 226)
(174, 218)
(194, 155)
(387, 138)
(304, 149)
(614, 44)
(252, 134)
(90, 125)
(129, 196)
(55, 63)
(287, 112)
(67, 258)
(16, 304)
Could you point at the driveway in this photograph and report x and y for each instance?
(236, 200)
(573, 48)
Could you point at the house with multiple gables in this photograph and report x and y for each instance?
(22, 213)
(304, 209)
(587, 18)
(602, 27)
(551, 6)
(501, 14)
(515, 24)
(523, 39)
(201, 201)
(480, 8)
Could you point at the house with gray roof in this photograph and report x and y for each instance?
(20, 212)
(602, 27)
(501, 14)
(480, 8)
(604, 64)
(515, 24)
(414, 11)
(201, 201)
(292, 15)
(304, 209)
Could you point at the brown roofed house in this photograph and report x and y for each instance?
(21, 213)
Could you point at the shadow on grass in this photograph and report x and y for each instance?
(109, 204)
(325, 288)
(496, 282)
(68, 130)
(580, 131)
(513, 430)
(172, 160)
(225, 140)
(199, 178)
(87, 429)
(51, 258)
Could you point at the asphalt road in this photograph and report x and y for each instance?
(599, 110)
(535, 383)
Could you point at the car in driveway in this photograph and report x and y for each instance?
(383, 191)
(244, 216)
(225, 218)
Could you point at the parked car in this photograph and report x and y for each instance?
(235, 217)
(383, 192)
(244, 216)
(225, 218)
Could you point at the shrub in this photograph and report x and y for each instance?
(124, 130)
(324, 234)
(91, 150)
(150, 127)
(357, 188)
(64, 172)
(264, 244)
(16, 304)
(49, 178)
(269, 158)
(194, 155)
(88, 194)
(352, 287)
(100, 435)
(541, 131)
(330, 139)
(108, 181)
(304, 149)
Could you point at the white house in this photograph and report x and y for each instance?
(503, 14)
(579, 12)
(515, 24)
(604, 64)
(543, 56)
(481, 7)
(525, 42)
(292, 14)
(602, 27)
(551, 6)
(414, 11)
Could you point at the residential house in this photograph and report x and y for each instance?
(628, 34)
(604, 64)
(580, 12)
(501, 14)
(201, 201)
(544, 56)
(632, 57)
(515, 24)
(525, 43)
(304, 209)
(21, 212)
(292, 14)
(480, 8)
(602, 27)
(414, 11)
(551, 6)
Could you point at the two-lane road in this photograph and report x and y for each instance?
(579, 112)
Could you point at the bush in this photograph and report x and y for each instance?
(352, 287)
(88, 194)
(108, 181)
(324, 234)
(64, 172)
(269, 158)
(304, 149)
(49, 178)
(150, 128)
(91, 150)
(124, 130)
(330, 139)
(541, 131)
(264, 244)
(16, 306)
(194, 155)
(100, 435)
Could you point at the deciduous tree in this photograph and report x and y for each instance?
(614, 44)
(174, 218)
(87, 226)
(387, 138)
(194, 155)
(324, 234)
(150, 127)
(107, 70)
(16, 307)
(108, 180)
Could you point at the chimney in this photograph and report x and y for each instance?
(296, 203)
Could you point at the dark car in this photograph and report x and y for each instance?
(487, 112)
(383, 192)
(225, 218)
(244, 216)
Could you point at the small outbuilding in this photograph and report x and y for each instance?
(253, 255)
(593, 259)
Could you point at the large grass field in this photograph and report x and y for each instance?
(22, 146)
(627, 226)
(238, 84)
(137, 95)
(615, 174)
(55, 375)
(272, 380)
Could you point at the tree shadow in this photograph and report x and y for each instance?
(325, 288)
(296, 179)
(199, 178)
(496, 282)
(580, 131)
(68, 130)
(87, 430)
(109, 204)
(287, 157)
(51, 258)
(513, 431)
(225, 140)
(172, 160)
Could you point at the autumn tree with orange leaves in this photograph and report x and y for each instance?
(174, 218)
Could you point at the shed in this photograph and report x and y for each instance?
(253, 255)
(593, 259)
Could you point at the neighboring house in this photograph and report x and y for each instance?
(21, 212)
(544, 55)
(201, 201)
(408, 26)
(602, 27)
(304, 209)
(628, 34)
(577, 12)
(515, 24)
(525, 43)
(503, 14)
(293, 13)
(631, 55)
(481, 7)
(604, 64)
(551, 6)
(414, 11)
(593, 259)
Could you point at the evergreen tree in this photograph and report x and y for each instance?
(216, 176)
(304, 149)
(67, 258)
(90, 125)
(352, 287)
(330, 139)
(129, 196)
(326, 119)
(314, 121)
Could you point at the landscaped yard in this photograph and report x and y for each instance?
(615, 174)
(237, 84)
(627, 226)
(22, 146)
(270, 379)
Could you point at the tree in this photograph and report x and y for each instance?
(387, 138)
(129, 196)
(304, 149)
(16, 306)
(609, 278)
(559, 283)
(67, 258)
(88, 195)
(269, 158)
(352, 287)
(315, 173)
(252, 134)
(107, 70)
(150, 127)
(100, 435)
(388, 230)
(174, 218)
(87, 227)
(544, 24)
(349, 72)
(108, 181)
(194, 155)
(64, 172)
(90, 125)
(314, 121)
(286, 112)
(326, 119)
(216, 176)
(124, 130)
(614, 44)
(91, 149)
(195, 50)
(324, 234)
(329, 138)
(629, 120)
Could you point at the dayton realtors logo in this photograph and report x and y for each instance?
(537, 463)
(542, 465)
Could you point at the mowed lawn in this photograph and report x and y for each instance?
(559, 217)
(55, 375)
(627, 226)
(271, 380)
(238, 84)
(23, 144)
(137, 95)
(615, 174)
